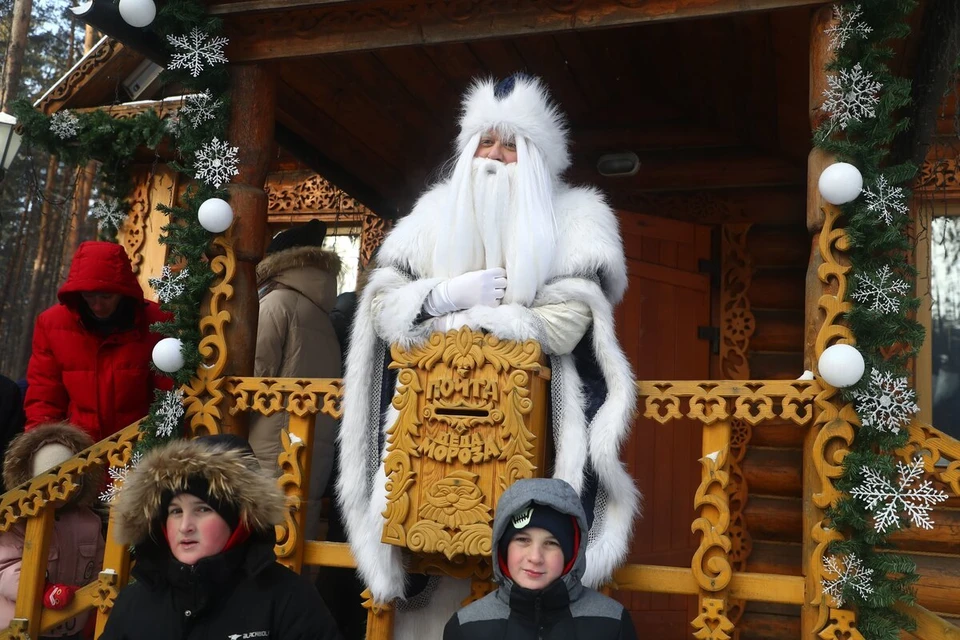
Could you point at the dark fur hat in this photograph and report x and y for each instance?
(18, 459)
(224, 464)
(308, 234)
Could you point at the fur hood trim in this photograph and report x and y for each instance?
(523, 108)
(18, 460)
(297, 257)
(234, 477)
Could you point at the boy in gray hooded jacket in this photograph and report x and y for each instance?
(539, 557)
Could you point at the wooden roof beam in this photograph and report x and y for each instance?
(377, 24)
(691, 169)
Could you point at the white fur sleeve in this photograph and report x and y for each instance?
(397, 303)
(558, 318)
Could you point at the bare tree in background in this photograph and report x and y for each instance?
(16, 49)
(42, 212)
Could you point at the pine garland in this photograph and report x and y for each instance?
(887, 338)
(80, 137)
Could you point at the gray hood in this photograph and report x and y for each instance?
(550, 492)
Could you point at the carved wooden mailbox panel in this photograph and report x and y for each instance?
(471, 420)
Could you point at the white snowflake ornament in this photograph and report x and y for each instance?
(200, 107)
(64, 124)
(216, 163)
(169, 413)
(887, 404)
(169, 285)
(849, 572)
(887, 501)
(117, 477)
(851, 96)
(848, 25)
(886, 201)
(882, 292)
(196, 50)
(109, 215)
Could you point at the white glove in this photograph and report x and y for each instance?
(485, 287)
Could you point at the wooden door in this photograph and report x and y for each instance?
(667, 300)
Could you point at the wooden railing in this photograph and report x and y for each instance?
(717, 405)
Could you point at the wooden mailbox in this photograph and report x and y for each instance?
(472, 420)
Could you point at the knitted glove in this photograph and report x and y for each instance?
(484, 287)
(57, 596)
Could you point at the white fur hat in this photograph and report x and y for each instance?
(520, 105)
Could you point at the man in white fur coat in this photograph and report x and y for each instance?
(501, 244)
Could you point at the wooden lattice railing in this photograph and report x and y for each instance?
(717, 405)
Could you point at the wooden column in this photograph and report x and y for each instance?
(252, 118)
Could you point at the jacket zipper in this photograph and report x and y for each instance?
(536, 618)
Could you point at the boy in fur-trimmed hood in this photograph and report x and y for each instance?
(201, 515)
(504, 245)
(76, 547)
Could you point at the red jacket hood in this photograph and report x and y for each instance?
(100, 266)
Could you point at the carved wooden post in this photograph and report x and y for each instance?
(116, 572)
(832, 430)
(711, 562)
(36, 546)
(380, 618)
(294, 461)
(253, 103)
(811, 617)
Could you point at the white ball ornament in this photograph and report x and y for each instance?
(841, 366)
(840, 183)
(168, 355)
(215, 215)
(138, 13)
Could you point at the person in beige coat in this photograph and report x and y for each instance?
(297, 282)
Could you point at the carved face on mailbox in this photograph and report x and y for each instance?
(456, 501)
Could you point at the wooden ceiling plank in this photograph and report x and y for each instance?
(456, 62)
(415, 70)
(309, 121)
(544, 59)
(583, 69)
(790, 33)
(652, 51)
(407, 114)
(357, 26)
(256, 6)
(754, 82)
(767, 205)
(651, 135)
(323, 83)
(706, 169)
(383, 89)
(707, 73)
(499, 57)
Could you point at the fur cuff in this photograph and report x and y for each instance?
(396, 303)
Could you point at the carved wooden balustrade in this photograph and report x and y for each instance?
(717, 405)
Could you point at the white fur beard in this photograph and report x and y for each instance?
(493, 205)
(499, 222)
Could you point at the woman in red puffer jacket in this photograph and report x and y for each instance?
(91, 356)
